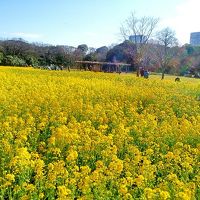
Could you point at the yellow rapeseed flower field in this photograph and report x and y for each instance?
(87, 135)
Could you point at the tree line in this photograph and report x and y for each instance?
(158, 52)
(18, 52)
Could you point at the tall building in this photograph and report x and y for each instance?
(137, 38)
(195, 39)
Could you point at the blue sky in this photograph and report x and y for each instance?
(92, 22)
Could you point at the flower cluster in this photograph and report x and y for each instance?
(86, 135)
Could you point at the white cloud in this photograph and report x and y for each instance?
(26, 35)
(185, 21)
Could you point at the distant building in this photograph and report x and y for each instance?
(137, 38)
(195, 39)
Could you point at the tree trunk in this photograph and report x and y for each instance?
(138, 70)
(138, 73)
(163, 73)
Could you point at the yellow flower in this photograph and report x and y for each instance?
(123, 189)
(10, 177)
(128, 196)
(52, 140)
(164, 195)
(41, 195)
(25, 197)
(183, 196)
(73, 155)
(63, 191)
(30, 187)
(116, 166)
(149, 193)
(139, 180)
(39, 169)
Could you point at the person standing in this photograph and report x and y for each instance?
(142, 72)
(146, 74)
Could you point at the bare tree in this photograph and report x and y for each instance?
(166, 39)
(139, 31)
